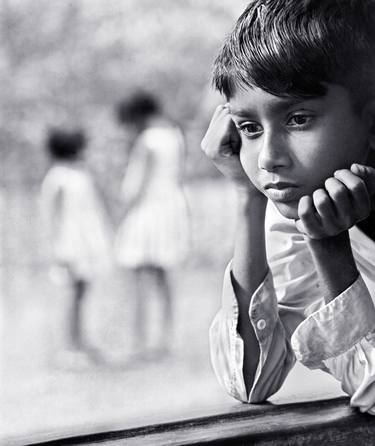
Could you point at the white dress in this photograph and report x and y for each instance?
(156, 230)
(79, 231)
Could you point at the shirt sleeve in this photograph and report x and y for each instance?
(340, 339)
(276, 355)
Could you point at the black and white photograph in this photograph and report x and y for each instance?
(187, 222)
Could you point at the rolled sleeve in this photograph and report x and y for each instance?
(336, 327)
(226, 346)
(263, 312)
(276, 357)
(227, 349)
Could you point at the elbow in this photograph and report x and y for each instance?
(364, 399)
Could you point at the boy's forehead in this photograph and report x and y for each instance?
(245, 101)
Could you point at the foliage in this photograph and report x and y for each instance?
(68, 62)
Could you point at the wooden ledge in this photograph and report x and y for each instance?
(329, 422)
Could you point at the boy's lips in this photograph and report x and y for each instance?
(281, 191)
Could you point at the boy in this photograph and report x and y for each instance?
(296, 138)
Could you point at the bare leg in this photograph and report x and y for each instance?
(75, 316)
(164, 290)
(141, 287)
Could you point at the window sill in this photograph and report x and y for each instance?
(328, 422)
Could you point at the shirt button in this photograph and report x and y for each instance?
(261, 324)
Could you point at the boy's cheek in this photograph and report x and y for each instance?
(249, 165)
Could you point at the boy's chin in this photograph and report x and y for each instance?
(287, 210)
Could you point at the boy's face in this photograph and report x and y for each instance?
(291, 146)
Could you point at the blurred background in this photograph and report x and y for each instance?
(68, 63)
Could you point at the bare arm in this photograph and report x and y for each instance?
(335, 265)
(326, 217)
(249, 270)
(222, 145)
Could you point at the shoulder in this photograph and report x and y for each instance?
(54, 177)
(161, 133)
(67, 177)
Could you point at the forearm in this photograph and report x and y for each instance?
(249, 260)
(335, 265)
(249, 270)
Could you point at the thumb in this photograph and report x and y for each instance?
(367, 174)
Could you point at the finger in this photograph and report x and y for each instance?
(218, 139)
(300, 226)
(326, 211)
(339, 195)
(307, 214)
(219, 110)
(367, 174)
(358, 192)
(230, 143)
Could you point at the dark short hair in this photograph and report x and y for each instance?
(293, 47)
(137, 107)
(65, 144)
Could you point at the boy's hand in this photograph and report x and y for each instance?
(222, 144)
(367, 174)
(347, 198)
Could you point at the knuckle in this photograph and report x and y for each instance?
(320, 199)
(346, 222)
(363, 212)
(340, 171)
(210, 153)
(304, 212)
(329, 182)
(332, 185)
(338, 191)
(358, 188)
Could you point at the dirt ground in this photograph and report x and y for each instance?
(42, 398)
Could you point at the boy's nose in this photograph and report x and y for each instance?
(273, 153)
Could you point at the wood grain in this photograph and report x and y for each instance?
(330, 422)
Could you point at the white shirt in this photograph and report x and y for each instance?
(292, 321)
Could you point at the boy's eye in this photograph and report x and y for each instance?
(250, 128)
(299, 120)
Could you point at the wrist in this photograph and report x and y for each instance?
(330, 244)
(335, 264)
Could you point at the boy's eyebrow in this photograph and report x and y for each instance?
(279, 105)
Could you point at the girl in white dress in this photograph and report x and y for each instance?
(153, 236)
(78, 229)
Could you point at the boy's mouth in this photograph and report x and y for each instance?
(281, 191)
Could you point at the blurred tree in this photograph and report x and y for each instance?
(67, 62)
(70, 61)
